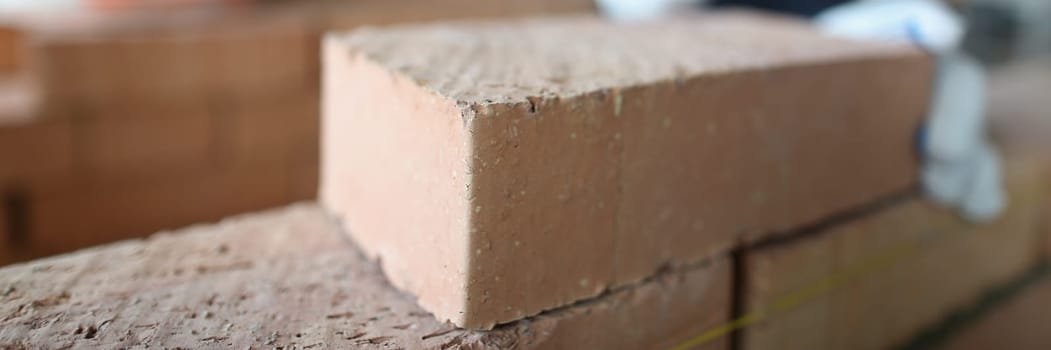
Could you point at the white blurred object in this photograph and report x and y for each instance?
(961, 169)
(927, 23)
(641, 10)
(985, 199)
(956, 124)
(8, 7)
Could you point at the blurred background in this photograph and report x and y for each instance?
(122, 118)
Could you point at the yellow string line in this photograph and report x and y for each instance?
(884, 259)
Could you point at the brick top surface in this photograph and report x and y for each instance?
(494, 62)
(281, 278)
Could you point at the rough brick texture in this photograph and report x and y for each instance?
(289, 279)
(909, 266)
(551, 159)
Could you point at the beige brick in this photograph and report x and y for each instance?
(288, 278)
(551, 159)
(129, 147)
(899, 270)
(669, 310)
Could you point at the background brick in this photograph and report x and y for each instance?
(29, 151)
(946, 264)
(12, 50)
(70, 219)
(131, 147)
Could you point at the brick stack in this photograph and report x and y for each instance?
(501, 170)
(145, 121)
(645, 152)
(760, 177)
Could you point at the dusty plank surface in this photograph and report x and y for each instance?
(287, 279)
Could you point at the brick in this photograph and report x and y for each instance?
(19, 100)
(33, 150)
(303, 180)
(73, 71)
(154, 56)
(150, 55)
(661, 313)
(544, 175)
(12, 235)
(344, 15)
(12, 49)
(256, 59)
(912, 264)
(117, 107)
(156, 67)
(90, 214)
(285, 130)
(130, 147)
(5, 224)
(109, 64)
(288, 278)
(304, 158)
(1019, 323)
(1018, 120)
